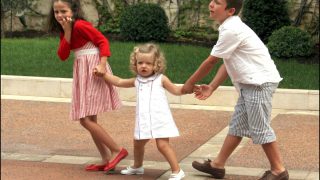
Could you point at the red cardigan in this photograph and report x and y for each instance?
(83, 32)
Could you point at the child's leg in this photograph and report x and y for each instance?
(259, 107)
(138, 152)
(100, 135)
(104, 151)
(229, 145)
(238, 128)
(167, 151)
(273, 155)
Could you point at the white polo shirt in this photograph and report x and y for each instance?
(245, 56)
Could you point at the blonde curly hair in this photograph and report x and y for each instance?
(159, 64)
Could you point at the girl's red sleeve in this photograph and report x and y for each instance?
(88, 32)
(64, 48)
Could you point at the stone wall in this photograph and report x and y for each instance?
(38, 22)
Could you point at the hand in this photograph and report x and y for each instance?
(196, 88)
(66, 23)
(203, 92)
(187, 88)
(99, 70)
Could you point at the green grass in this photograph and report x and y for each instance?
(37, 57)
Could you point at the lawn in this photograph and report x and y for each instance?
(37, 57)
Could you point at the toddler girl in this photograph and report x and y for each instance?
(153, 116)
(90, 95)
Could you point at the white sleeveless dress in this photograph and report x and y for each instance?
(153, 114)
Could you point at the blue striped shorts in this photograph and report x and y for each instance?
(252, 116)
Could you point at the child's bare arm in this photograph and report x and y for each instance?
(169, 86)
(117, 81)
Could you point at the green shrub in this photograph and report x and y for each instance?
(290, 41)
(144, 22)
(109, 21)
(265, 16)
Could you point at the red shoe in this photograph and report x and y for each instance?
(112, 164)
(94, 167)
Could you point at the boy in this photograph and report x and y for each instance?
(254, 74)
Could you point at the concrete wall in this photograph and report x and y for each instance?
(226, 96)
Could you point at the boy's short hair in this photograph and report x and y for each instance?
(237, 4)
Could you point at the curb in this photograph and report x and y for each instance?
(226, 96)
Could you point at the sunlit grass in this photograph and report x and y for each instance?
(37, 57)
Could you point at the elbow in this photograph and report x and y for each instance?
(62, 58)
(212, 60)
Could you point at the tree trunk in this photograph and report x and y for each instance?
(2, 20)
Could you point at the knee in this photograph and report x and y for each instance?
(139, 144)
(84, 122)
(162, 146)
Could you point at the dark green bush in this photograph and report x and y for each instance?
(289, 42)
(265, 16)
(144, 22)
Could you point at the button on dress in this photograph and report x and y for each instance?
(153, 115)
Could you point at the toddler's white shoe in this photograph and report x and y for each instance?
(132, 171)
(178, 176)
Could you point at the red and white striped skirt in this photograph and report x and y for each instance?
(90, 94)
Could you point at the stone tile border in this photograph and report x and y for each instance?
(190, 172)
(225, 96)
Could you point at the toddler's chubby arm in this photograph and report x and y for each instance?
(169, 86)
(115, 80)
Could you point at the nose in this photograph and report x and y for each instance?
(211, 4)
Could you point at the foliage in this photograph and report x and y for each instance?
(190, 14)
(144, 22)
(290, 41)
(17, 5)
(199, 33)
(265, 16)
(109, 19)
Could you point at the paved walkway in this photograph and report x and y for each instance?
(37, 141)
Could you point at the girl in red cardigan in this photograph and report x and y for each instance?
(90, 95)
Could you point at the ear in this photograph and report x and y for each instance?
(231, 11)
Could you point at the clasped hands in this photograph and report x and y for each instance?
(200, 92)
(99, 70)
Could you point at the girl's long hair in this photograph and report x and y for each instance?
(53, 25)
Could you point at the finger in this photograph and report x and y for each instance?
(203, 97)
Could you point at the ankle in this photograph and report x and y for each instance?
(136, 166)
(176, 171)
(277, 171)
(216, 164)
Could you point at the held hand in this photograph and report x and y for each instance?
(203, 92)
(196, 88)
(100, 70)
(97, 73)
(187, 88)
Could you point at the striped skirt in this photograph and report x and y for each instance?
(90, 94)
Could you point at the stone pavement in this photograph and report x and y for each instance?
(39, 142)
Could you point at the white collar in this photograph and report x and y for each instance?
(147, 79)
(231, 18)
